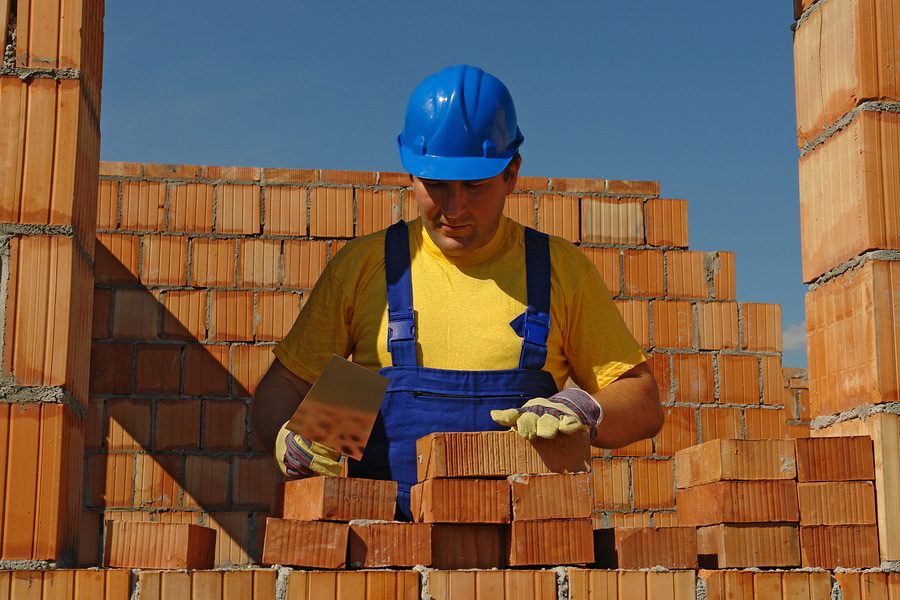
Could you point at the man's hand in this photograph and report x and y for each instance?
(566, 412)
(298, 457)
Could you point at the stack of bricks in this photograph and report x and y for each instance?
(742, 496)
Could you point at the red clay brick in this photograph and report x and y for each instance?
(399, 585)
(224, 425)
(117, 259)
(205, 480)
(275, 314)
(110, 480)
(348, 177)
(135, 314)
(212, 263)
(255, 481)
(232, 538)
(339, 499)
(559, 215)
(143, 205)
(379, 545)
(249, 364)
(120, 169)
(184, 314)
(500, 584)
(768, 501)
(643, 273)
(667, 222)
(167, 171)
(93, 424)
(331, 212)
(622, 585)
(578, 184)
(259, 263)
(237, 209)
(837, 503)
(128, 424)
(773, 390)
(636, 314)
(845, 546)
(376, 210)
(177, 424)
(190, 207)
(607, 261)
(159, 546)
(741, 546)
(611, 484)
(647, 547)
(532, 183)
(315, 544)
(738, 379)
(394, 179)
(765, 423)
(866, 585)
(520, 208)
(679, 431)
(718, 325)
(612, 221)
(721, 266)
(686, 275)
(289, 175)
(673, 324)
(638, 448)
(107, 205)
(499, 454)
(551, 542)
(461, 501)
(848, 458)
(642, 188)
(232, 173)
(303, 263)
(468, 546)
(735, 460)
(661, 365)
(554, 496)
(205, 370)
(100, 316)
(231, 316)
(653, 482)
(693, 378)
(760, 327)
(285, 210)
(158, 369)
(156, 481)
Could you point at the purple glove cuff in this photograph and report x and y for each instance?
(583, 405)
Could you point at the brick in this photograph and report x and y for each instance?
(249, 364)
(760, 327)
(237, 209)
(111, 368)
(316, 544)
(643, 273)
(158, 546)
(647, 547)
(190, 208)
(611, 489)
(578, 184)
(638, 448)
(410, 206)
(499, 454)
(559, 215)
(532, 183)
(765, 423)
(673, 324)
(212, 263)
(847, 458)
(111, 168)
(376, 210)
(255, 584)
(686, 275)
(285, 210)
(394, 179)
(128, 424)
(520, 208)
(331, 212)
(135, 314)
(270, 175)
(842, 57)
(612, 221)
(741, 546)
(738, 379)
(693, 378)
(837, 503)
(274, 314)
(623, 585)
(204, 481)
(158, 369)
(339, 499)
(636, 314)
(867, 585)
(736, 585)
(205, 370)
(773, 389)
(735, 460)
(110, 480)
(367, 585)
(232, 538)
(555, 496)
(177, 425)
(460, 501)
(679, 431)
(643, 188)
(348, 177)
(156, 481)
(184, 314)
(231, 316)
(143, 205)
(390, 544)
(738, 502)
(661, 366)
(720, 267)
(232, 173)
(667, 222)
(255, 481)
(259, 263)
(551, 542)
(90, 526)
(224, 425)
(107, 205)
(608, 263)
(467, 546)
(718, 325)
(117, 259)
(653, 483)
(719, 423)
(303, 263)
(844, 546)
(501, 585)
(166, 171)
(606, 520)
(93, 424)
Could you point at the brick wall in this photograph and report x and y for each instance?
(201, 269)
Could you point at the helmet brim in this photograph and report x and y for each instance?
(452, 168)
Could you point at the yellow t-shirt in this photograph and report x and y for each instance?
(463, 309)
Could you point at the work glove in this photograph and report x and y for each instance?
(567, 412)
(298, 457)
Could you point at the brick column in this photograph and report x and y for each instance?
(49, 154)
(847, 69)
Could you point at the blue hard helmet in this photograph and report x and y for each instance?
(460, 124)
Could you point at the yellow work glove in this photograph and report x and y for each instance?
(565, 412)
(298, 457)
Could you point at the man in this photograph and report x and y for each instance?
(476, 321)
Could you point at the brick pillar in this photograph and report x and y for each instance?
(49, 156)
(847, 71)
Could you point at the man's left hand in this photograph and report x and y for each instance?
(566, 412)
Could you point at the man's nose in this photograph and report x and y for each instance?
(454, 200)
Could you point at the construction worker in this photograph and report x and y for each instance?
(476, 321)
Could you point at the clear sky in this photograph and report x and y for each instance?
(697, 95)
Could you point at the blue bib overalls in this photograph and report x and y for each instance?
(422, 400)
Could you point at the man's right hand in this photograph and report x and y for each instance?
(298, 457)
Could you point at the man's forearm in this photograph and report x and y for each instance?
(277, 397)
(631, 409)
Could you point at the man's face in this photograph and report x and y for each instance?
(461, 216)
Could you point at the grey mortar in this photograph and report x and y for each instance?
(700, 586)
(281, 581)
(26, 565)
(846, 119)
(854, 264)
(135, 584)
(861, 412)
(711, 265)
(562, 582)
(424, 594)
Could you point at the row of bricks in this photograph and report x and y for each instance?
(843, 55)
(582, 584)
(195, 173)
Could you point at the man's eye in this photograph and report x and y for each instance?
(475, 184)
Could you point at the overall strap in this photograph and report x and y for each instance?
(401, 341)
(534, 324)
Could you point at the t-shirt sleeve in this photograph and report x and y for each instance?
(598, 345)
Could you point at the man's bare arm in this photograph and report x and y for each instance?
(277, 397)
(631, 409)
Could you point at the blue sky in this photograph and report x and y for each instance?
(697, 95)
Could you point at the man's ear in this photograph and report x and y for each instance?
(511, 173)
